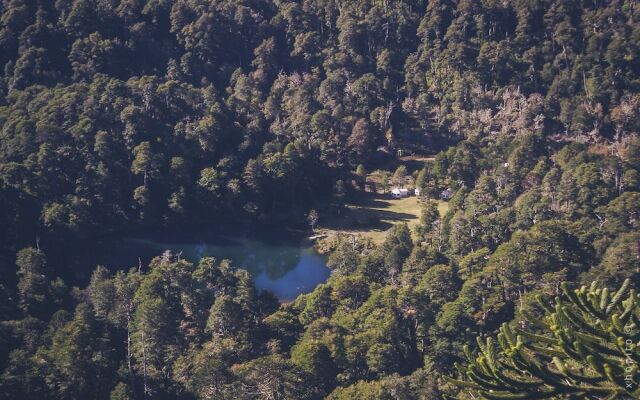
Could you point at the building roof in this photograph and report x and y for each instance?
(446, 193)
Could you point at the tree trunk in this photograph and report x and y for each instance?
(144, 365)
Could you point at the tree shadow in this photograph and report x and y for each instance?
(374, 200)
(394, 216)
(369, 212)
(377, 200)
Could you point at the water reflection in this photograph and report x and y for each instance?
(284, 266)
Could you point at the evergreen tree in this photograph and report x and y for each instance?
(588, 348)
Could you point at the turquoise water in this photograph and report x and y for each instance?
(283, 265)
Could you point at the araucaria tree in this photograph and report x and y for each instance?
(586, 346)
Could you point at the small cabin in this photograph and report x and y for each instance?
(399, 193)
(446, 194)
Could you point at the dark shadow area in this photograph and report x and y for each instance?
(371, 212)
(374, 200)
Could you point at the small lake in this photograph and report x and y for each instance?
(281, 263)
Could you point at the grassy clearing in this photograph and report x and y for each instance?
(374, 214)
(443, 207)
(418, 158)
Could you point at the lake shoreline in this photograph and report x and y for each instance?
(283, 261)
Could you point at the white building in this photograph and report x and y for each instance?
(417, 191)
(399, 193)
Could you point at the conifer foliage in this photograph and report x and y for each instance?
(588, 348)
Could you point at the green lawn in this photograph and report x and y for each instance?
(374, 214)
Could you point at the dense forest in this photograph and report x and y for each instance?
(119, 115)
